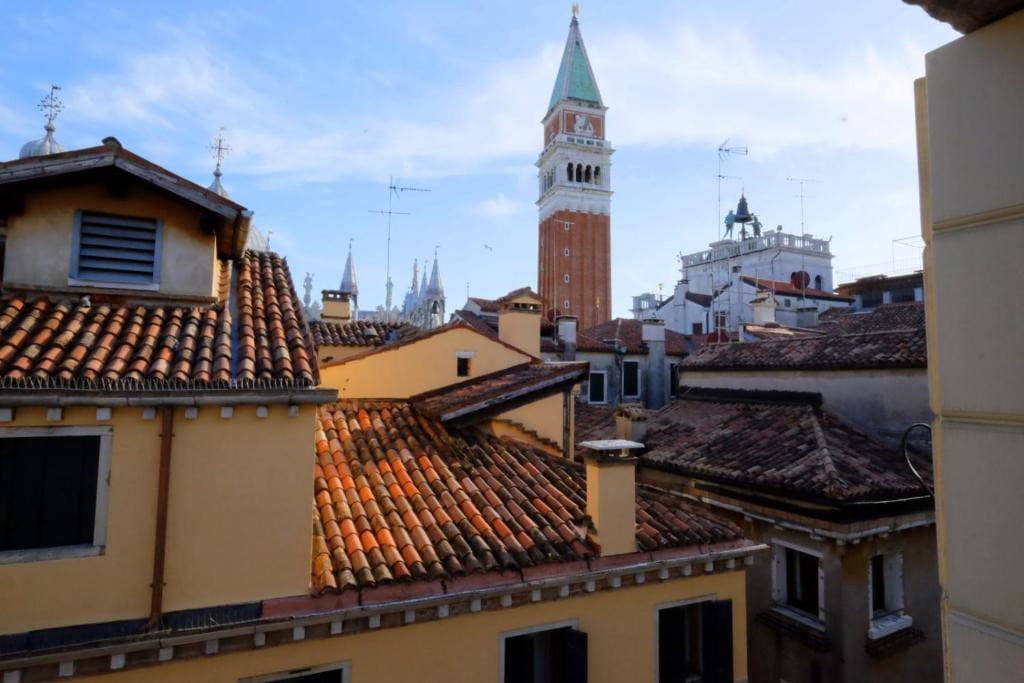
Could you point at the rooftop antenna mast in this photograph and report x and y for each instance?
(393, 191)
(724, 152)
(803, 261)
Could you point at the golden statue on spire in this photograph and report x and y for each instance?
(575, 9)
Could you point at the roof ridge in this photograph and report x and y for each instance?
(834, 481)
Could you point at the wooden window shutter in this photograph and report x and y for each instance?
(671, 653)
(116, 249)
(574, 656)
(716, 616)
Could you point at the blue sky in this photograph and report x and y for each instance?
(324, 101)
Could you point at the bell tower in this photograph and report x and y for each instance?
(574, 250)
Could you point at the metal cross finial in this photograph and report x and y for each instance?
(436, 247)
(350, 241)
(219, 148)
(51, 105)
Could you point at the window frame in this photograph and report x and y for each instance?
(658, 609)
(74, 279)
(344, 667)
(99, 537)
(639, 384)
(779, 569)
(525, 631)
(604, 380)
(894, 617)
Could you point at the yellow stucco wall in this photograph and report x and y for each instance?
(611, 504)
(39, 240)
(424, 365)
(326, 353)
(240, 492)
(969, 111)
(621, 628)
(521, 329)
(543, 416)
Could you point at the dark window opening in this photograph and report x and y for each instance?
(579, 173)
(462, 367)
(48, 488)
(597, 175)
(596, 391)
(870, 299)
(878, 584)
(802, 581)
(568, 172)
(631, 378)
(555, 656)
(587, 175)
(900, 296)
(720, 320)
(695, 643)
(698, 328)
(817, 282)
(673, 379)
(301, 676)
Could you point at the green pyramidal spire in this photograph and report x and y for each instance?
(575, 79)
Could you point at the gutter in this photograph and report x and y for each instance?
(685, 566)
(160, 536)
(208, 398)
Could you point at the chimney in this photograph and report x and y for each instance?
(611, 495)
(653, 336)
(807, 316)
(519, 325)
(764, 308)
(565, 332)
(336, 306)
(631, 423)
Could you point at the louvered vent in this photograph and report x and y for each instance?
(118, 249)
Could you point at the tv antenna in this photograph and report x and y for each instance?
(802, 196)
(724, 152)
(804, 277)
(393, 191)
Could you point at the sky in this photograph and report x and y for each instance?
(324, 102)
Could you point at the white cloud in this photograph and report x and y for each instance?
(499, 206)
(680, 86)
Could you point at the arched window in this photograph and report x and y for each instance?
(587, 175)
(597, 175)
(579, 173)
(817, 282)
(568, 172)
(566, 278)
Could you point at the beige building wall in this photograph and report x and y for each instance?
(546, 417)
(621, 628)
(409, 369)
(240, 492)
(970, 114)
(39, 240)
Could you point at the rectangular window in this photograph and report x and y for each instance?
(695, 643)
(597, 392)
(462, 367)
(673, 378)
(52, 491)
(885, 593)
(878, 604)
(631, 378)
(116, 249)
(557, 655)
(327, 673)
(870, 299)
(697, 328)
(720, 320)
(798, 582)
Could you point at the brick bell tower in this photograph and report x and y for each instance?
(574, 265)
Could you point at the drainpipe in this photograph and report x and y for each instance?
(160, 540)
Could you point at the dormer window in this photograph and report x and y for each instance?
(115, 250)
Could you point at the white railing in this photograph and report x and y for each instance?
(771, 240)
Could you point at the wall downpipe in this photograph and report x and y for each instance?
(160, 537)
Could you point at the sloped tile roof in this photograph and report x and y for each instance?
(900, 316)
(787, 288)
(486, 305)
(488, 326)
(877, 350)
(110, 344)
(400, 497)
(785, 448)
(628, 334)
(358, 332)
(500, 387)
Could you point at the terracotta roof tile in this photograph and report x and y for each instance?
(627, 334)
(786, 448)
(788, 289)
(482, 503)
(887, 317)
(893, 349)
(481, 393)
(358, 332)
(111, 345)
